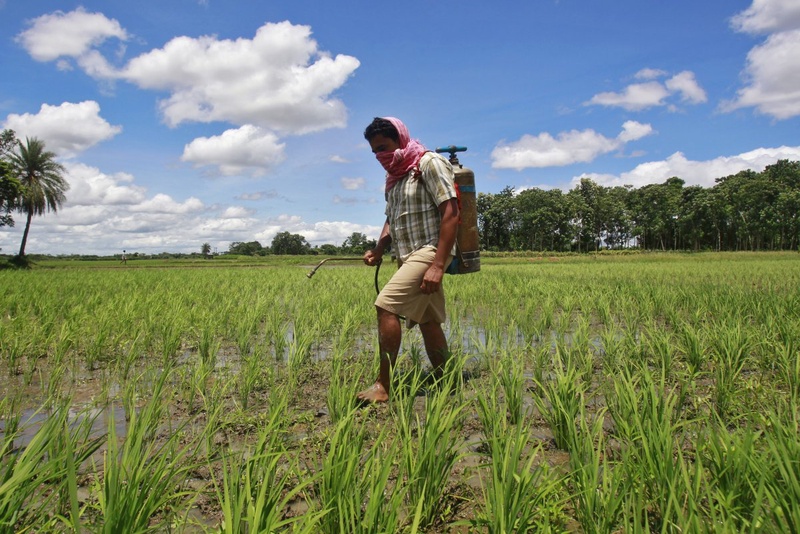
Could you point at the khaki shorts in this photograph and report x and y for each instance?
(403, 296)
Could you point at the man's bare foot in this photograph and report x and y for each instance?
(375, 393)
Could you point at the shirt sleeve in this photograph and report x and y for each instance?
(438, 177)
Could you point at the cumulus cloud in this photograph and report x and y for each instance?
(277, 80)
(353, 184)
(74, 34)
(641, 96)
(162, 203)
(701, 173)
(248, 150)
(767, 16)
(567, 148)
(66, 129)
(317, 233)
(772, 70)
(91, 187)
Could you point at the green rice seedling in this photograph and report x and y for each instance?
(346, 330)
(736, 476)
(250, 368)
(208, 347)
(783, 482)
(730, 348)
(341, 396)
(254, 488)
(13, 351)
(355, 492)
(692, 346)
(646, 417)
(518, 496)
(785, 352)
(300, 348)
(559, 398)
(246, 330)
(142, 487)
(597, 483)
(660, 345)
(42, 472)
(509, 375)
(430, 450)
(405, 386)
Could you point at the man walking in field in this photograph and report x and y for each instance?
(421, 223)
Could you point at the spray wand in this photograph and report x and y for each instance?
(313, 271)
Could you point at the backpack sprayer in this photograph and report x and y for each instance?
(468, 256)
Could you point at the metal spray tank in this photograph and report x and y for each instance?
(468, 255)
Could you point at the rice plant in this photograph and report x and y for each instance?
(520, 494)
(430, 451)
(142, 484)
(558, 399)
(597, 482)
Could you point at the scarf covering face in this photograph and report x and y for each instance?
(404, 159)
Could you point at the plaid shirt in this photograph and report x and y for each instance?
(412, 205)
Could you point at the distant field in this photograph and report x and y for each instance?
(613, 392)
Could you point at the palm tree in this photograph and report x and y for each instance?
(205, 250)
(43, 183)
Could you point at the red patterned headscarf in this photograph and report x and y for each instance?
(404, 159)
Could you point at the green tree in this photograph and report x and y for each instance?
(42, 179)
(205, 249)
(251, 248)
(10, 187)
(328, 249)
(497, 218)
(544, 220)
(357, 243)
(287, 243)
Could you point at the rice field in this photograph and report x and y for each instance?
(630, 393)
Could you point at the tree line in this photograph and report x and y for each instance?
(288, 243)
(745, 211)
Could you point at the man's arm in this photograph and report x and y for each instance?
(374, 256)
(448, 230)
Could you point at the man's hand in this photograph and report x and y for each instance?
(432, 281)
(373, 257)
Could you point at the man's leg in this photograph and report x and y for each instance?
(435, 345)
(389, 336)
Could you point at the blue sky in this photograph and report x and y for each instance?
(193, 121)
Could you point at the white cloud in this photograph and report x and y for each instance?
(632, 130)
(353, 184)
(90, 187)
(164, 204)
(686, 84)
(67, 129)
(772, 71)
(640, 96)
(316, 233)
(258, 195)
(772, 74)
(649, 74)
(277, 80)
(635, 97)
(569, 147)
(767, 16)
(72, 34)
(703, 173)
(235, 212)
(248, 150)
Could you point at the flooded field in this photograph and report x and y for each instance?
(619, 393)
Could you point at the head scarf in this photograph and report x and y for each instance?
(404, 159)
